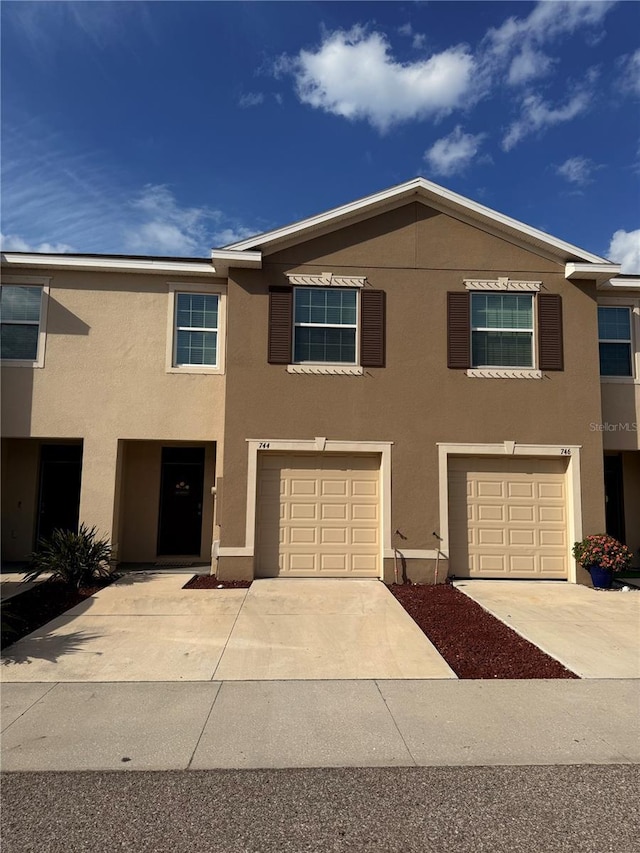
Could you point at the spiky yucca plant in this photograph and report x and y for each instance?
(77, 559)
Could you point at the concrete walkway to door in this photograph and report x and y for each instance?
(145, 627)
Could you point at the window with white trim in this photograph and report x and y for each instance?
(21, 316)
(196, 330)
(502, 330)
(614, 339)
(325, 327)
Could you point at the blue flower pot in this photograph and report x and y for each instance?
(601, 578)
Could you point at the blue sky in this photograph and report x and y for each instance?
(171, 127)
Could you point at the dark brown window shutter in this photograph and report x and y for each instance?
(372, 328)
(458, 331)
(550, 349)
(280, 321)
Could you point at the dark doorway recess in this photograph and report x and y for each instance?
(181, 486)
(59, 492)
(614, 496)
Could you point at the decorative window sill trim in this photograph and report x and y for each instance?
(502, 284)
(326, 369)
(194, 369)
(504, 373)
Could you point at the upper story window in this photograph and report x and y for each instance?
(614, 333)
(196, 339)
(325, 325)
(195, 334)
(502, 330)
(23, 315)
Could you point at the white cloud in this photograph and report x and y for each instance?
(453, 153)
(58, 201)
(418, 41)
(405, 29)
(630, 77)
(250, 99)
(226, 236)
(624, 249)
(537, 115)
(15, 243)
(528, 65)
(547, 22)
(353, 74)
(577, 170)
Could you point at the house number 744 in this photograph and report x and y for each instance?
(263, 445)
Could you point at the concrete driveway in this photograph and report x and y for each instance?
(594, 633)
(145, 627)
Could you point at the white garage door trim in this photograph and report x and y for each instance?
(314, 445)
(570, 452)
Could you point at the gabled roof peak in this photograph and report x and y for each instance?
(435, 196)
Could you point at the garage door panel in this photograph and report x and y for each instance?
(300, 512)
(333, 536)
(551, 491)
(326, 512)
(308, 488)
(520, 490)
(364, 512)
(491, 536)
(303, 536)
(490, 512)
(553, 538)
(334, 512)
(364, 488)
(489, 489)
(525, 538)
(508, 517)
(521, 513)
(551, 566)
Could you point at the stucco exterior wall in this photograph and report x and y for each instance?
(416, 255)
(104, 380)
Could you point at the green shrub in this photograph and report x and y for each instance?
(77, 559)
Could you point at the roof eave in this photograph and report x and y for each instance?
(107, 264)
(429, 192)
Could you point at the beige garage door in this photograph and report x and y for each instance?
(318, 515)
(508, 517)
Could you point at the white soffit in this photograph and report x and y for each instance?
(435, 196)
(596, 272)
(621, 283)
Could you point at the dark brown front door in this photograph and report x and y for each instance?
(182, 481)
(614, 496)
(59, 495)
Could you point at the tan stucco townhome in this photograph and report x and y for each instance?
(409, 384)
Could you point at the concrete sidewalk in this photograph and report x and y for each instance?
(594, 633)
(207, 725)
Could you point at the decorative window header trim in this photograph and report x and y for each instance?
(501, 284)
(327, 279)
(504, 373)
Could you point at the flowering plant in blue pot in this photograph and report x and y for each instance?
(602, 555)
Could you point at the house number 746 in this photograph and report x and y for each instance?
(565, 451)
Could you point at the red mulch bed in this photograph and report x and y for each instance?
(212, 582)
(473, 642)
(34, 607)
